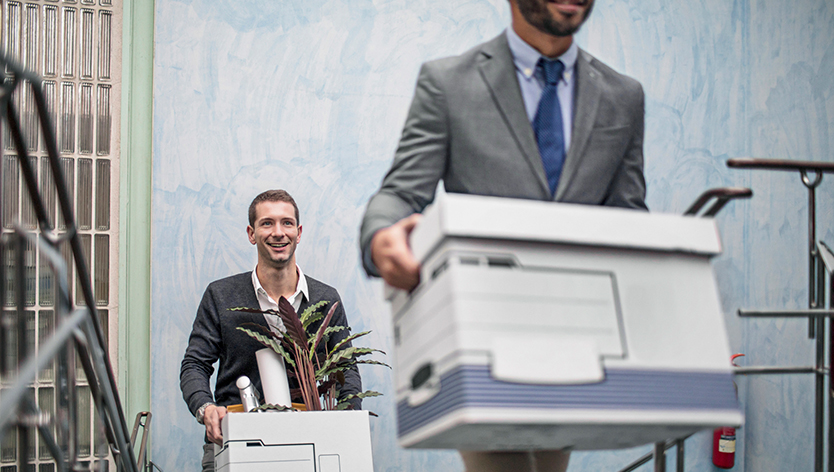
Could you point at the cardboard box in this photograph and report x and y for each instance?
(313, 441)
(548, 326)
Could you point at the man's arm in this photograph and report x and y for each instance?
(410, 185)
(197, 366)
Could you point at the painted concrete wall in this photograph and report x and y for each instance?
(311, 96)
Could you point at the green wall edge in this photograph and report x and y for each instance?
(134, 366)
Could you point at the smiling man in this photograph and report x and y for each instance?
(275, 231)
(527, 114)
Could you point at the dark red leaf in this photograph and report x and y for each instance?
(295, 330)
(325, 386)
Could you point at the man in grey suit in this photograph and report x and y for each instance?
(525, 115)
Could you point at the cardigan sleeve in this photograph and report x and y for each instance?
(202, 352)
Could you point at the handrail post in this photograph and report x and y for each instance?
(679, 444)
(813, 301)
(819, 377)
(660, 456)
(826, 264)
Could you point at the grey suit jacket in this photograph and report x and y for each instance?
(468, 126)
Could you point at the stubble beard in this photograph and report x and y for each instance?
(279, 263)
(536, 13)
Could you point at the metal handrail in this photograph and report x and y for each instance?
(826, 255)
(808, 313)
(87, 334)
(722, 196)
(678, 443)
(780, 164)
(820, 260)
(146, 432)
(804, 168)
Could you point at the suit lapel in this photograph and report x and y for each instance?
(498, 71)
(585, 112)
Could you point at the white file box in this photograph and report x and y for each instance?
(313, 441)
(548, 326)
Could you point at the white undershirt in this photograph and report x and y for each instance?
(267, 303)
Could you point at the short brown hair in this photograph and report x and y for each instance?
(271, 196)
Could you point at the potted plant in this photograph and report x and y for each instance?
(320, 378)
(328, 435)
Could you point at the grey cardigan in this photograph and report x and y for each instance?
(214, 337)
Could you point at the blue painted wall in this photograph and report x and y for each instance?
(311, 96)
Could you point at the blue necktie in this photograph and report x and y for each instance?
(548, 124)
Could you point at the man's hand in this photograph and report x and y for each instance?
(392, 255)
(212, 419)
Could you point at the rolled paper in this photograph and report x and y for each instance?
(273, 377)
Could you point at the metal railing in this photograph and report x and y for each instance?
(77, 333)
(820, 263)
(656, 453)
(143, 420)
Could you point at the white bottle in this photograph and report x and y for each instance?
(247, 393)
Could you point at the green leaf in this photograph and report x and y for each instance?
(327, 332)
(350, 353)
(246, 309)
(312, 314)
(273, 407)
(344, 403)
(347, 365)
(258, 328)
(268, 342)
(347, 340)
(371, 361)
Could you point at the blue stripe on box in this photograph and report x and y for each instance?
(624, 389)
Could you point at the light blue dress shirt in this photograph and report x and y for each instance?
(531, 80)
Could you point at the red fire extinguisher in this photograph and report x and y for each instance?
(724, 447)
(724, 439)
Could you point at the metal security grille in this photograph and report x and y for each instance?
(73, 45)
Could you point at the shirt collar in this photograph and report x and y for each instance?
(300, 288)
(526, 57)
(302, 284)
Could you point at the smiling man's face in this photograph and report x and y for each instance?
(555, 17)
(276, 233)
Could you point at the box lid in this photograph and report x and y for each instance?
(470, 216)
